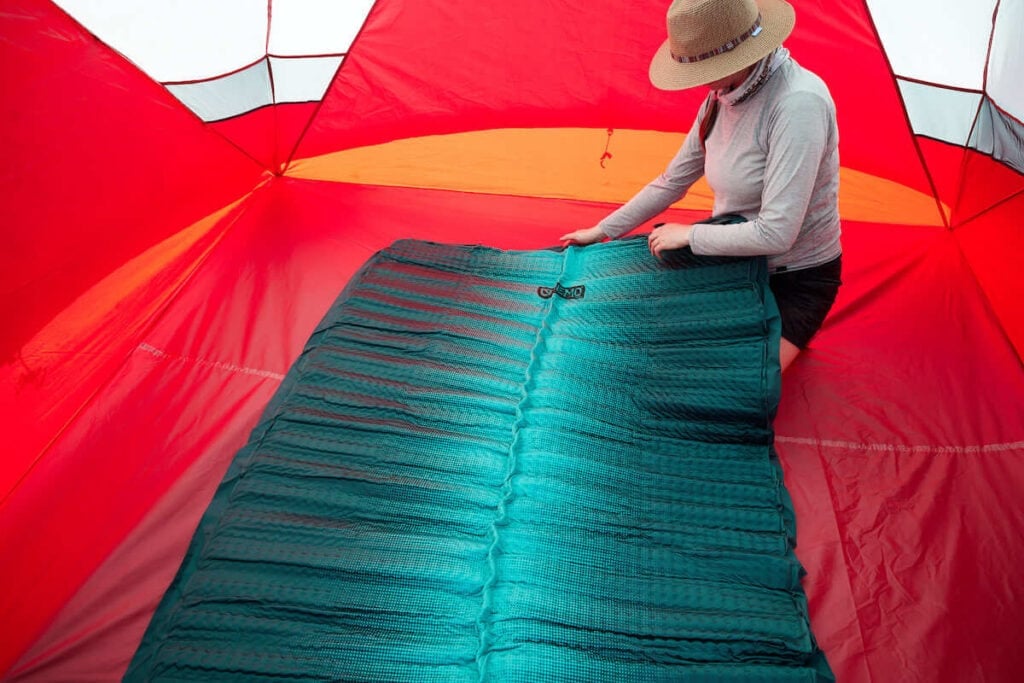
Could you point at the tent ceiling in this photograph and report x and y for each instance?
(222, 59)
(968, 92)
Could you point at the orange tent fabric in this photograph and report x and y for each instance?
(163, 263)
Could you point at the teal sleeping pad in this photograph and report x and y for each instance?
(508, 466)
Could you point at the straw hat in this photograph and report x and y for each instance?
(711, 39)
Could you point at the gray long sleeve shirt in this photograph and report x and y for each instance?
(773, 159)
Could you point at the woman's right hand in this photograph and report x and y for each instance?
(585, 236)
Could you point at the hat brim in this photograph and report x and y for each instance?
(777, 21)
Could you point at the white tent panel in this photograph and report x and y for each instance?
(183, 40)
(1006, 65)
(229, 96)
(937, 41)
(302, 79)
(315, 27)
(940, 113)
(999, 135)
(983, 135)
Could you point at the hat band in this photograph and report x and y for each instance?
(752, 31)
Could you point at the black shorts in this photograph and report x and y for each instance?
(804, 298)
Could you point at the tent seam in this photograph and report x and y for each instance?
(205, 362)
(903, 448)
(219, 76)
(216, 77)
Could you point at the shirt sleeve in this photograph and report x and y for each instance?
(683, 171)
(798, 134)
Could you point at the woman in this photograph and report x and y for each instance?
(766, 139)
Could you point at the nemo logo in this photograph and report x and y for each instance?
(574, 292)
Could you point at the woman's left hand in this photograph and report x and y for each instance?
(667, 236)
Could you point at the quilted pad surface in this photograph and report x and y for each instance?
(508, 466)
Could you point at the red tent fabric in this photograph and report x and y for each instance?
(170, 242)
